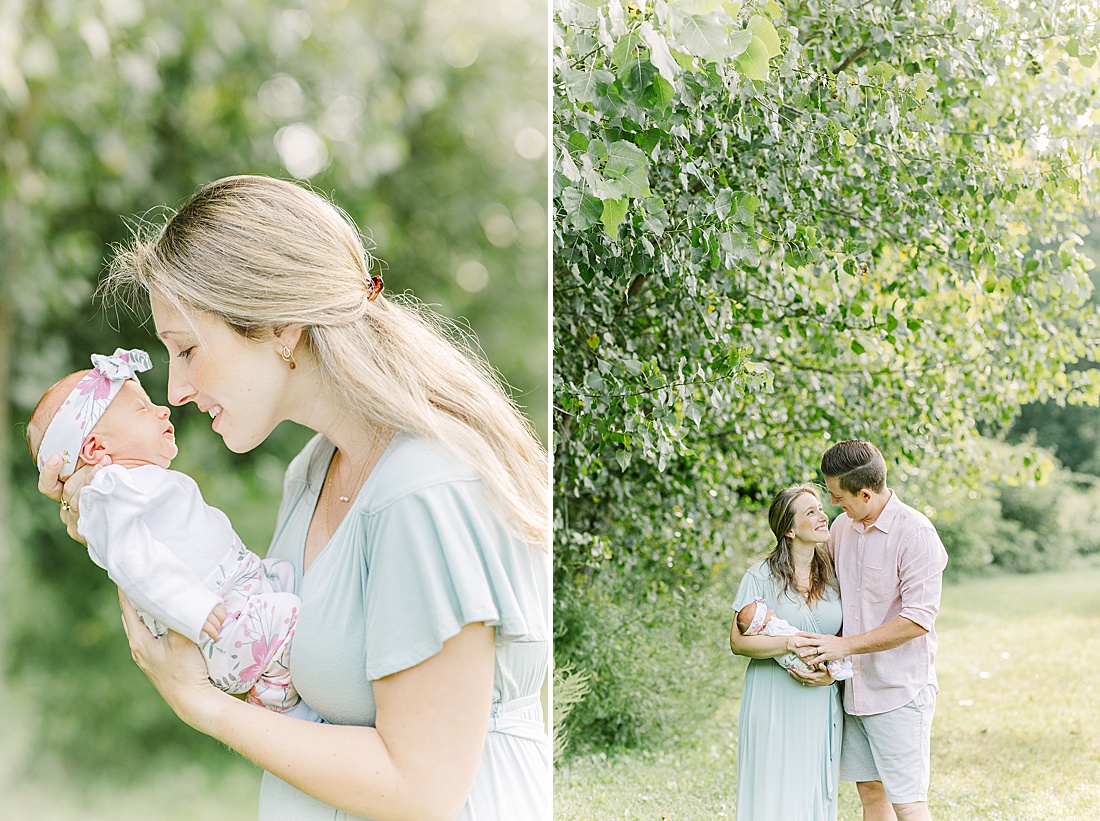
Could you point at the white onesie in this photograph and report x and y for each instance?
(839, 670)
(176, 558)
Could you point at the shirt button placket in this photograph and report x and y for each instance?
(857, 690)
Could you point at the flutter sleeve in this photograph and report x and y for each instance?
(113, 520)
(437, 560)
(753, 584)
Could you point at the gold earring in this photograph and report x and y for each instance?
(288, 357)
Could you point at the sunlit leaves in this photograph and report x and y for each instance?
(652, 63)
(854, 222)
(614, 212)
(706, 38)
(762, 46)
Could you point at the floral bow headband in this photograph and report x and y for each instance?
(759, 616)
(86, 403)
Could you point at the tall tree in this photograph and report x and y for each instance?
(780, 224)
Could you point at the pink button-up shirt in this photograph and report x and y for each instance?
(891, 568)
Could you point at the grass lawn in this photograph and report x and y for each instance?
(184, 794)
(1016, 735)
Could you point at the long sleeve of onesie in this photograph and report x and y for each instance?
(115, 513)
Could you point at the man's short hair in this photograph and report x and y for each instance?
(855, 464)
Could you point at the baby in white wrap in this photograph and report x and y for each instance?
(757, 619)
(177, 559)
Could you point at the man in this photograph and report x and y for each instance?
(889, 563)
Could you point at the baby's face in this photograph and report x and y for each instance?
(136, 430)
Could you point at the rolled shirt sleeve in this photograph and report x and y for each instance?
(921, 568)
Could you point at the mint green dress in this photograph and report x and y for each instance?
(420, 555)
(788, 746)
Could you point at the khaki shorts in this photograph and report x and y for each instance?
(891, 747)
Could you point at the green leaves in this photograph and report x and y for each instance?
(583, 211)
(706, 38)
(604, 178)
(762, 46)
(803, 237)
(626, 163)
(614, 212)
(624, 96)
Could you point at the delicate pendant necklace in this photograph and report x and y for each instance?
(802, 585)
(358, 480)
(328, 507)
(331, 497)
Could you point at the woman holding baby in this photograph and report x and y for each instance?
(791, 719)
(415, 519)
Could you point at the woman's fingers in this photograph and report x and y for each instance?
(49, 482)
(70, 496)
(136, 631)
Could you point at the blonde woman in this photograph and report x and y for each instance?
(415, 519)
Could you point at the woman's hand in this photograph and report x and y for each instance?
(815, 678)
(67, 492)
(174, 665)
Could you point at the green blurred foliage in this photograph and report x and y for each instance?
(645, 639)
(1023, 528)
(424, 119)
(1071, 432)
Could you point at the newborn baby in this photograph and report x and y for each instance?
(756, 619)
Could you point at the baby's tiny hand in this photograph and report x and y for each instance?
(214, 621)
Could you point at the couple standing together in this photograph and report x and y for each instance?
(878, 571)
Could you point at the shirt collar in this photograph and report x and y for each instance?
(885, 518)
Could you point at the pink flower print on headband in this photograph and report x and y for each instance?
(97, 384)
(86, 403)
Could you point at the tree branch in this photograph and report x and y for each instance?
(851, 58)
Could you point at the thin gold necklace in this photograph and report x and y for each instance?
(358, 482)
(372, 459)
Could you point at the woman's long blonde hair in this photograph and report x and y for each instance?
(263, 254)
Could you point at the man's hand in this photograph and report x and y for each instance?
(815, 649)
(214, 621)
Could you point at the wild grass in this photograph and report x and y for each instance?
(1016, 735)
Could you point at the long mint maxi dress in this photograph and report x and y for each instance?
(788, 747)
(419, 555)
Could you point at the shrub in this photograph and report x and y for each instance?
(642, 647)
(1079, 514)
(1032, 537)
(968, 532)
(570, 688)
